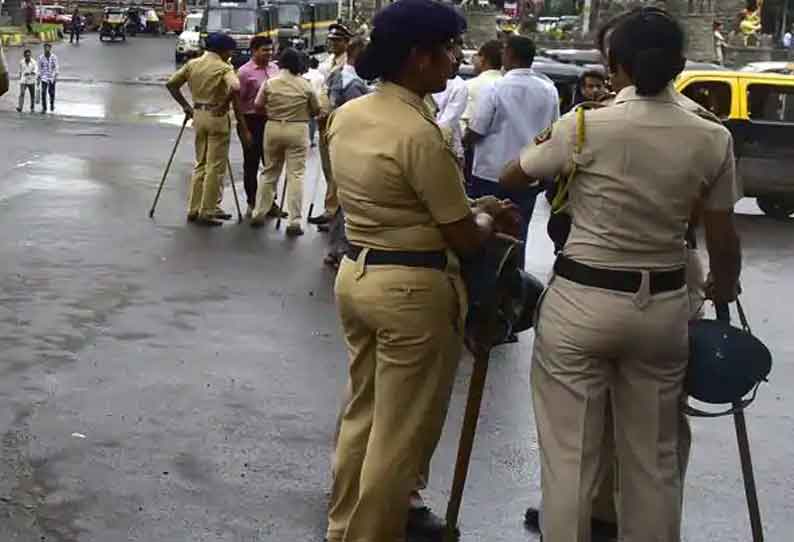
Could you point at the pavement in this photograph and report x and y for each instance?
(164, 383)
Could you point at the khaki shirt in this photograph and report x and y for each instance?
(210, 79)
(397, 179)
(287, 97)
(645, 163)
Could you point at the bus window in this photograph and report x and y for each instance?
(289, 15)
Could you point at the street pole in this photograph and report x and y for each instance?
(586, 10)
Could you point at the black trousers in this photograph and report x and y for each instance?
(47, 88)
(253, 156)
(74, 34)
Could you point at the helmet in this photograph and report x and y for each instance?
(502, 297)
(725, 362)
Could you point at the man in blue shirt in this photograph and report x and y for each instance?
(510, 114)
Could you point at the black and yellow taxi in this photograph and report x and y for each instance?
(758, 108)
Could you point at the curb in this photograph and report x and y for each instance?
(19, 39)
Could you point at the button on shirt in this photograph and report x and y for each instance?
(510, 113)
(28, 72)
(397, 178)
(48, 68)
(252, 76)
(287, 97)
(645, 161)
(475, 86)
(451, 104)
(210, 79)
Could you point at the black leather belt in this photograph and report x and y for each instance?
(204, 107)
(433, 259)
(621, 281)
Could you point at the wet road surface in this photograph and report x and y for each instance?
(161, 382)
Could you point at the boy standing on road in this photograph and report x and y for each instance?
(75, 26)
(28, 73)
(48, 75)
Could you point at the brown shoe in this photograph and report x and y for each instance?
(294, 230)
(275, 212)
(257, 223)
(191, 217)
(208, 222)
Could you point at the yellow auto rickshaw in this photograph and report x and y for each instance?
(113, 24)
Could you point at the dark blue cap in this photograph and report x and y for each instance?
(219, 41)
(339, 31)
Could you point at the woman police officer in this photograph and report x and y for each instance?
(613, 323)
(398, 289)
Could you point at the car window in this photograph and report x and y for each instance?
(713, 95)
(770, 103)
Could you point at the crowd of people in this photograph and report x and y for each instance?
(420, 169)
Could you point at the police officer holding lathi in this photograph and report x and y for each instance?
(213, 86)
(398, 290)
(613, 322)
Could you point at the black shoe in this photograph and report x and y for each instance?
(603, 531)
(223, 215)
(323, 228)
(294, 230)
(192, 217)
(208, 222)
(532, 519)
(19, 110)
(426, 526)
(324, 218)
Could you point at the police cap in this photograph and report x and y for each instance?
(405, 24)
(338, 31)
(218, 41)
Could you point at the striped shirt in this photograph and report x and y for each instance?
(48, 68)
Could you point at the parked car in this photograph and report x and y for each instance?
(188, 43)
(758, 109)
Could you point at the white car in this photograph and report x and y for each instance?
(785, 68)
(187, 44)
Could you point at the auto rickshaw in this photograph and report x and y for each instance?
(113, 24)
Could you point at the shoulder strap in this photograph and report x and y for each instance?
(560, 201)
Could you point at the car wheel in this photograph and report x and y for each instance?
(776, 207)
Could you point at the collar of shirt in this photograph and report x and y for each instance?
(629, 94)
(490, 74)
(407, 96)
(349, 74)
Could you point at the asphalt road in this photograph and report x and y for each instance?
(164, 383)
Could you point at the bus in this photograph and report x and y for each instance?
(242, 20)
(302, 24)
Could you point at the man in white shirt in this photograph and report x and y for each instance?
(48, 76)
(451, 103)
(509, 114)
(316, 79)
(28, 74)
(4, 83)
(488, 66)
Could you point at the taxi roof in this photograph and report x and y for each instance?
(737, 74)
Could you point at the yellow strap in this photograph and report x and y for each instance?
(560, 200)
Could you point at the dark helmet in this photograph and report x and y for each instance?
(725, 362)
(502, 297)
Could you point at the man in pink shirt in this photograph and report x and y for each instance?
(252, 75)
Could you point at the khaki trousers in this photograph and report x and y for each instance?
(212, 154)
(595, 347)
(285, 142)
(403, 330)
(606, 493)
(331, 198)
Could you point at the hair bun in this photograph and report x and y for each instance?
(653, 69)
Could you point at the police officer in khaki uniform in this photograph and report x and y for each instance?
(289, 103)
(604, 514)
(612, 325)
(339, 37)
(398, 290)
(213, 86)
